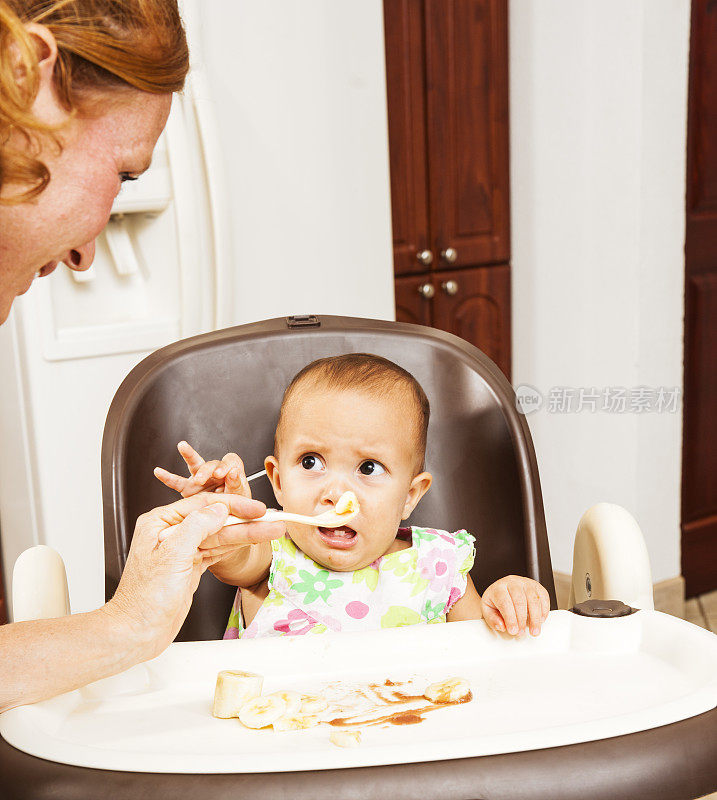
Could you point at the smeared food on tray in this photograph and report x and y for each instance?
(345, 707)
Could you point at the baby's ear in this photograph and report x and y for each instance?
(419, 486)
(271, 465)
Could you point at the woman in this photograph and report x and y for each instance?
(85, 91)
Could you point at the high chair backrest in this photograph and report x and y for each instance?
(221, 392)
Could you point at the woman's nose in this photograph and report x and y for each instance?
(80, 258)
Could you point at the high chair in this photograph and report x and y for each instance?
(221, 392)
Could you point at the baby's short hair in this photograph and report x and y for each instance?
(366, 372)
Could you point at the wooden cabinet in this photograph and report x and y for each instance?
(447, 88)
(699, 430)
(472, 303)
(475, 305)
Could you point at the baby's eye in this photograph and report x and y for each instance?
(311, 463)
(371, 468)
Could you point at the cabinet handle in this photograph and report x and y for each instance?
(450, 287)
(425, 257)
(450, 254)
(427, 290)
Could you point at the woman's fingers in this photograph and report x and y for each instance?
(174, 513)
(191, 457)
(251, 533)
(195, 528)
(247, 533)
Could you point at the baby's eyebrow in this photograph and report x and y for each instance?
(307, 445)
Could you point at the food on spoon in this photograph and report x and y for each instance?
(292, 700)
(260, 712)
(345, 738)
(233, 689)
(347, 504)
(313, 704)
(450, 690)
(296, 722)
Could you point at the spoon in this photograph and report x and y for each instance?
(346, 508)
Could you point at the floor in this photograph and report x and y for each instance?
(702, 611)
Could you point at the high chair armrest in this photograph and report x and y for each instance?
(610, 560)
(39, 585)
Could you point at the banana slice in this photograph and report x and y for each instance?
(260, 712)
(292, 700)
(450, 690)
(347, 503)
(233, 689)
(296, 722)
(313, 704)
(345, 738)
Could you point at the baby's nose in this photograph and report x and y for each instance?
(333, 489)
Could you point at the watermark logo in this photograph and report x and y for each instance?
(527, 399)
(608, 399)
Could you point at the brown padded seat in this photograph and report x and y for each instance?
(221, 391)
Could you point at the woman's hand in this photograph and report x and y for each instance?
(226, 476)
(514, 602)
(159, 579)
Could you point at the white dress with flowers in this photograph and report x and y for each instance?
(417, 584)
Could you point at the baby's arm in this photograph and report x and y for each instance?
(466, 607)
(510, 605)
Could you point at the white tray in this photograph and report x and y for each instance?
(582, 679)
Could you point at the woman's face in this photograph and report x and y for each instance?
(100, 150)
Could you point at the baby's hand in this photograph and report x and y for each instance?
(514, 602)
(226, 475)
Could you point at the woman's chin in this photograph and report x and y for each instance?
(5, 305)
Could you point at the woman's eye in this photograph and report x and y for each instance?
(371, 468)
(126, 176)
(311, 463)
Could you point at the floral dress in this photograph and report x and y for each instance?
(417, 584)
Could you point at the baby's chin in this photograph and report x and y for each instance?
(334, 559)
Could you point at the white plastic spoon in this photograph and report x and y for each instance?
(346, 508)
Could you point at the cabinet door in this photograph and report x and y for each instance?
(405, 69)
(699, 446)
(475, 305)
(467, 105)
(411, 305)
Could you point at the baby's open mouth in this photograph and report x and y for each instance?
(342, 538)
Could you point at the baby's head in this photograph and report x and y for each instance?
(355, 422)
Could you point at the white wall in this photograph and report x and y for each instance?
(300, 93)
(598, 142)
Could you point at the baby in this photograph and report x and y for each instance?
(355, 422)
